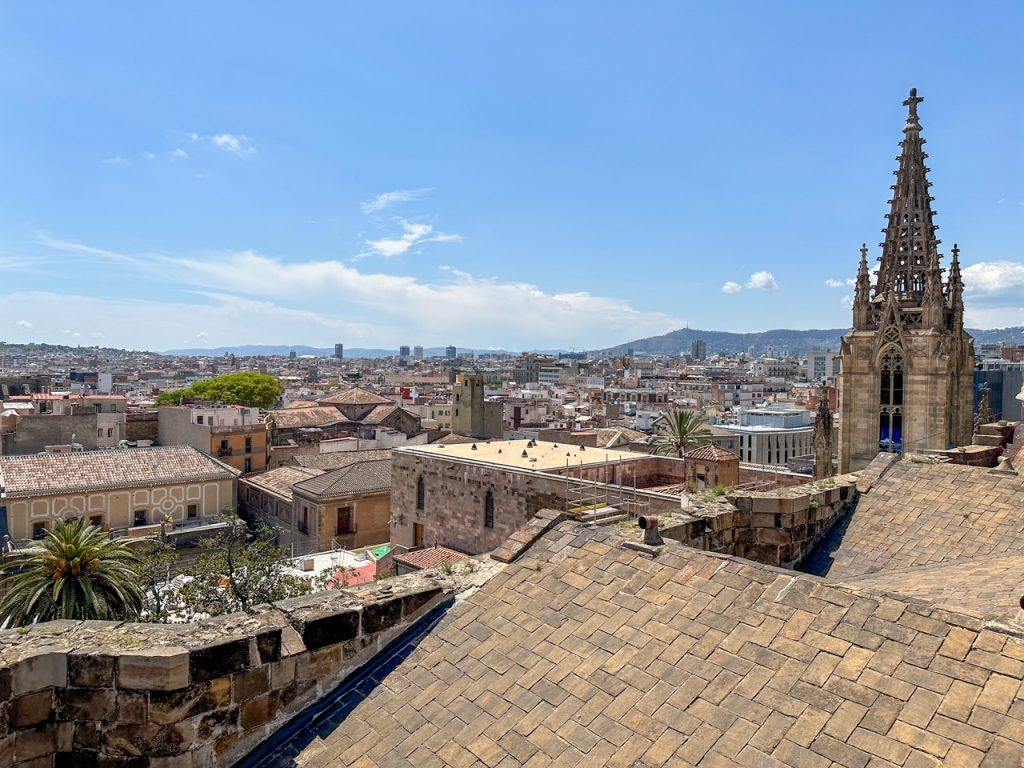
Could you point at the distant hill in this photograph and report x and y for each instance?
(267, 350)
(780, 341)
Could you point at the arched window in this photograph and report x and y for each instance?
(421, 494)
(489, 510)
(890, 413)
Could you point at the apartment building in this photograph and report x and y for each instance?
(234, 434)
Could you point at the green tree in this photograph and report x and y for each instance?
(76, 573)
(236, 571)
(679, 431)
(157, 560)
(255, 390)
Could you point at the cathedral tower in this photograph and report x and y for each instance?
(908, 364)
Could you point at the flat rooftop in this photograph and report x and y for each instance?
(509, 453)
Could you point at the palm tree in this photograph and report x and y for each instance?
(679, 431)
(77, 573)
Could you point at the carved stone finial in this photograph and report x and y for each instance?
(911, 102)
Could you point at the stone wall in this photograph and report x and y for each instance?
(120, 695)
(36, 432)
(142, 425)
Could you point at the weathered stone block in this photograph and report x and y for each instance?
(297, 695)
(247, 685)
(75, 704)
(318, 664)
(175, 706)
(5, 684)
(156, 669)
(224, 658)
(258, 711)
(35, 742)
(216, 724)
(91, 670)
(148, 739)
(762, 520)
(269, 645)
(132, 707)
(87, 736)
(31, 709)
(282, 673)
(414, 602)
(381, 615)
(327, 630)
(42, 670)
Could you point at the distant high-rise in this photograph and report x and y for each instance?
(339, 351)
(699, 349)
(417, 352)
(450, 353)
(403, 351)
(292, 354)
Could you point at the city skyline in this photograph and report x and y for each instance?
(556, 177)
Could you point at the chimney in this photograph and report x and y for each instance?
(649, 525)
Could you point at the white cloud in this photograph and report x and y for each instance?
(202, 335)
(762, 281)
(23, 324)
(386, 199)
(179, 153)
(993, 277)
(117, 160)
(731, 287)
(833, 283)
(846, 302)
(413, 233)
(236, 145)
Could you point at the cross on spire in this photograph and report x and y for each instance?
(912, 101)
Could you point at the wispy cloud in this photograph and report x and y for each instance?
(68, 246)
(762, 281)
(202, 335)
(23, 324)
(236, 144)
(833, 283)
(732, 287)
(179, 153)
(387, 199)
(846, 302)
(413, 233)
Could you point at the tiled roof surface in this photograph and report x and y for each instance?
(454, 439)
(710, 452)
(585, 652)
(431, 557)
(361, 477)
(355, 396)
(73, 472)
(378, 414)
(293, 418)
(337, 459)
(920, 514)
(280, 481)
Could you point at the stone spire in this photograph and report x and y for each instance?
(910, 242)
(823, 440)
(955, 290)
(933, 302)
(862, 292)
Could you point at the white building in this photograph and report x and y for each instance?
(772, 435)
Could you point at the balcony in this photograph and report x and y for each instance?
(225, 452)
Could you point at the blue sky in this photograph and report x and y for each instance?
(529, 174)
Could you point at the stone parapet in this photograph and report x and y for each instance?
(81, 694)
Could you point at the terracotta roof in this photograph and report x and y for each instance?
(296, 418)
(431, 557)
(300, 404)
(356, 396)
(280, 481)
(336, 459)
(453, 439)
(360, 477)
(87, 470)
(382, 412)
(586, 652)
(710, 452)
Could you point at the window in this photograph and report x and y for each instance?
(99, 433)
(304, 520)
(344, 525)
(225, 445)
(199, 419)
(248, 445)
(890, 416)
(38, 530)
(248, 465)
(96, 521)
(421, 494)
(192, 511)
(110, 432)
(140, 517)
(489, 510)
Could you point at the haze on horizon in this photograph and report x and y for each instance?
(527, 176)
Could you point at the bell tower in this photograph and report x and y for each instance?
(908, 364)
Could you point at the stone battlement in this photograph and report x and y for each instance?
(116, 694)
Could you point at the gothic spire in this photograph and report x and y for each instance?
(955, 288)
(862, 291)
(910, 242)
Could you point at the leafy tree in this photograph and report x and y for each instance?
(157, 560)
(236, 571)
(679, 431)
(256, 390)
(77, 573)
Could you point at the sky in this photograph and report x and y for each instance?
(487, 174)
